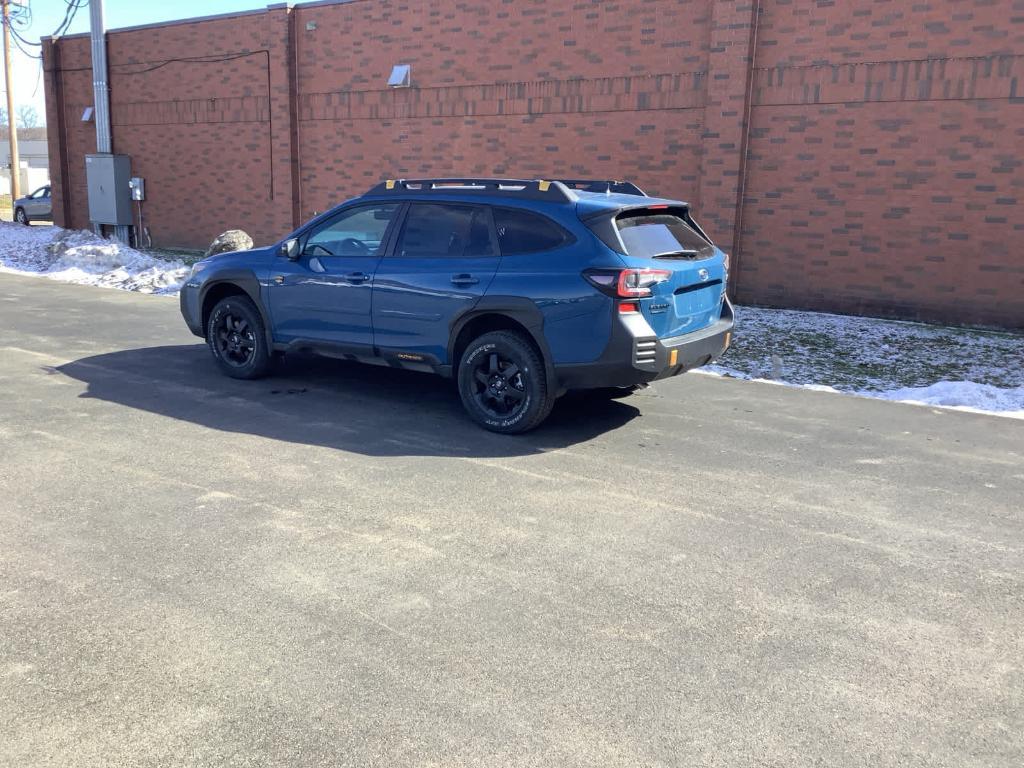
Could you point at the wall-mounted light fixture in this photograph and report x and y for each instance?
(401, 76)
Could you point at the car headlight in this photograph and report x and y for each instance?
(198, 267)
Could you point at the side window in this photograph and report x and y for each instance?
(525, 232)
(46, 192)
(356, 232)
(437, 229)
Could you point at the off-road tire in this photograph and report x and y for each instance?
(242, 352)
(525, 390)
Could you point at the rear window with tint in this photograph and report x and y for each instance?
(523, 232)
(432, 230)
(662, 235)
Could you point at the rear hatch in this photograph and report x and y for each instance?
(689, 295)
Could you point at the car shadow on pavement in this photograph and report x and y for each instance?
(318, 401)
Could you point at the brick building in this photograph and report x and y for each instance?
(857, 156)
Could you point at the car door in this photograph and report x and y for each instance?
(323, 294)
(33, 205)
(45, 204)
(444, 260)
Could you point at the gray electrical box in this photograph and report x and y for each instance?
(110, 196)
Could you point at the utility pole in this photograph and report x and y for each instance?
(100, 89)
(104, 159)
(12, 128)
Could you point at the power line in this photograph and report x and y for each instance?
(19, 43)
(210, 59)
(24, 19)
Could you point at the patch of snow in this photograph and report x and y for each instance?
(963, 395)
(947, 367)
(83, 257)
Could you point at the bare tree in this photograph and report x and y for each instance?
(28, 117)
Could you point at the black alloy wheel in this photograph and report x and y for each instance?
(499, 388)
(237, 338)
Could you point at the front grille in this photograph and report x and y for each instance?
(645, 352)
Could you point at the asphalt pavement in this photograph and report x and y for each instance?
(334, 567)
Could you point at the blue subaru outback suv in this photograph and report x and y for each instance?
(518, 290)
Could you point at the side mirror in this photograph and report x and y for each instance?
(290, 249)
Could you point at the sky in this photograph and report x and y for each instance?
(46, 16)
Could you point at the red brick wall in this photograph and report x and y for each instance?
(881, 170)
(196, 131)
(884, 168)
(530, 88)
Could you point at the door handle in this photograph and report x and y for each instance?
(357, 277)
(464, 279)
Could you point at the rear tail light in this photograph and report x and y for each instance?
(626, 283)
(638, 282)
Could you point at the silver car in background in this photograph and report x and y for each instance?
(34, 207)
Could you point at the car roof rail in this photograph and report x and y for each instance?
(603, 186)
(534, 189)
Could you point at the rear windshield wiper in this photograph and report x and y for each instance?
(684, 254)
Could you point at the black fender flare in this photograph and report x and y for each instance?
(524, 311)
(246, 280)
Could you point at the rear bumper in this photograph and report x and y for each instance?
(634, 355)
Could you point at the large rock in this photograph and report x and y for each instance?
(232, 240)
(59, 244)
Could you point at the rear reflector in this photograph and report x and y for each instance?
(628, 308)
